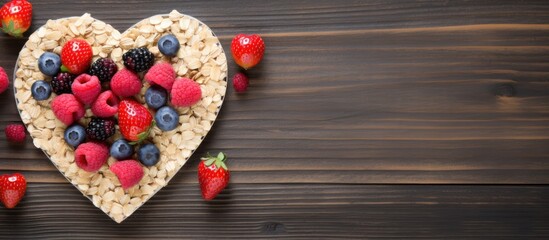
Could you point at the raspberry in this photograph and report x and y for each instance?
(106, 105)
(161, 74)
(129, 172)
(15, 132)
(138, 59)
(62, 83)
(240, 82)
(104, 69)
(86, 88)
(67, 108)
(185, 92)
(125, 83)
(100, 128)
(91, 156)
(4, 80)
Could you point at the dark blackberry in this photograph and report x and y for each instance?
(100, 128)
(104, 69)
(62, 83)
(138, 59)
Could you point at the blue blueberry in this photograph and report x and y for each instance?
(49, 63)
(156, 97)
(121, 149)
(168, 45)
(41, 90)
(75, 135)
(148, 154)
(166, 118)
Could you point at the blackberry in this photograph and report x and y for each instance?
(62, 83)
(138, 59)
(100, 128)
(104, 69)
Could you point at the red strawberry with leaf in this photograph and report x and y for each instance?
(76, 56)
(12, 189)
(16, 17)
(213, 175)
(247, 50)
(134, 120)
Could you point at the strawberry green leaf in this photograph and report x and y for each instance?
(223, 165)
(221, 156)
(209, 162)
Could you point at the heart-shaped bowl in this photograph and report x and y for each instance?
(200, 58)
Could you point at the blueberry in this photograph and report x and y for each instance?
(156, 97)
(168, 45)
(41, 90)
(166, 118)
(49, 63)
(148, 154)
(75, 135)
(121, 149)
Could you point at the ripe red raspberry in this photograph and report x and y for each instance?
(106, 105)
(86, 88)
(125, 83)
(91, 156)
(240, 82)
(161, 74)
(129, 172)
(67, 108)
(15, 132)
(4, 80)
(185, 92)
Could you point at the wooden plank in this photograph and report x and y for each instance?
(308, 211)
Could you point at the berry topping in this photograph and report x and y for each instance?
(129, 172)
(166, 118)
(148, 154)
(100, 128)
(138, 59)
(67, 108)
(41, 90)
(91, 156)
(86, 88)
(121, 149)
(49, 63)
(76, 56)
(15, 132)
(134, 120)
(104, 69)
(106, 104)
(156, 97)
(62, 83)
(168, 45)
(161, 74)
(125, 83)
(185, 92)
(75, 135)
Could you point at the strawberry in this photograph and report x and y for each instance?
(76, 56)
(247, 50)
(134, 120)
(213, 175)
(12, 189)
(16, 17)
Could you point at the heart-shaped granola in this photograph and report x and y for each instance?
(200, 58)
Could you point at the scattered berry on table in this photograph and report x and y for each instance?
(129, 172)
(247, 50)
(106, 104)
(148, 154)
(100, 128)
(12, 189)
(161, 74)
(62, 83)
(86, 88)
(134, 120)
(156, 97)
(16, 17)
(90, 156)
(166, 118)
(41, 90)
(240, 82)
(104, 69)
(67, 108)
(138, 59)
(185, 92)
(4, 80)
(168, 45)
(49, 63)
(15, 132)
(121, 149)
(125, 83)
(75, 135)
(76, 56)
(213, 175)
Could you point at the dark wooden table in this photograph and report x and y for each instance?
(378, 119)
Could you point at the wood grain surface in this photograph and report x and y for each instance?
(380, 119)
